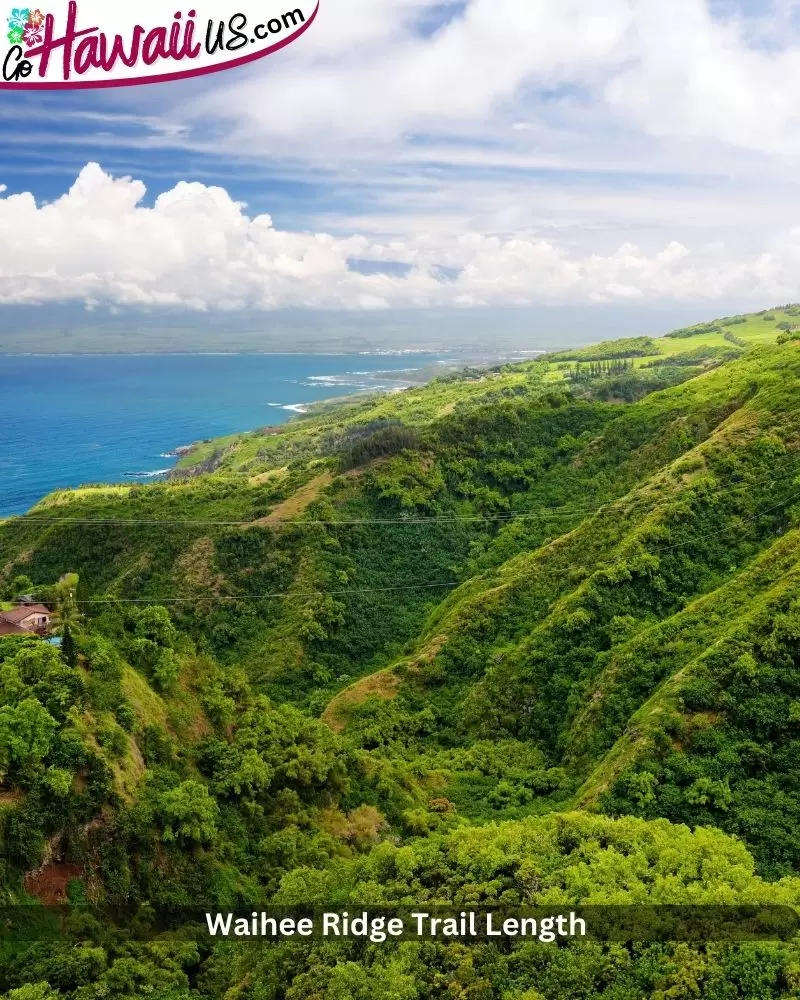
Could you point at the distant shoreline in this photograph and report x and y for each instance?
(458, 352)
(227, 354)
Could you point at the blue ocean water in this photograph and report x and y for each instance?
(71, 420)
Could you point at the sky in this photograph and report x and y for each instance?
(481, 155)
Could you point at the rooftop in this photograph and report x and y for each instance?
(24, 611)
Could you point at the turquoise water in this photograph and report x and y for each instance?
(66, 421)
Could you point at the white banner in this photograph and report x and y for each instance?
(94, 43)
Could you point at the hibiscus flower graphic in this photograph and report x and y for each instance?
(18, 19)
(33, 34)
(35, 18)
(15, 36)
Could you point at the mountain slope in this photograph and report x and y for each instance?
(385, 654)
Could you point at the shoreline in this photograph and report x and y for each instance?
(401, 352)
(229, 354)
(338, 387)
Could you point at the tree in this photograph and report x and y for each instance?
(166, 669)
(189, 813)
(26, 735)
(152, 648)
(68, 650)
(65, 599)
(243, 773)
(20, 585)
(154, 623)
(33, 991)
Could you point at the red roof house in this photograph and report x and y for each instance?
(25, 618)
(8, 628)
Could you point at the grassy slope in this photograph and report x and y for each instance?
(534, 601)
(545, 636)
(308, 435)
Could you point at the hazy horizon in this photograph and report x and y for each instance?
(71, 330)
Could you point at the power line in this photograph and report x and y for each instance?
(405, 588)
(435, 519)
(620, 503)
(746, 520)
(265, 597)
(376, 590)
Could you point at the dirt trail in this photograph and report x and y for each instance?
(298, 502)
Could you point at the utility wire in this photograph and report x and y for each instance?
(379, 590)
(564, 511)
(505, 517)
(620, 504)
(265, 597)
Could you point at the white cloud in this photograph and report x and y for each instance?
(363, 72)
(597, 121)
(592, 121)
(197, 248)
(695, 76)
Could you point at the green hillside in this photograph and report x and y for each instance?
(524, 636)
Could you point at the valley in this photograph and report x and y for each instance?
(527, 635)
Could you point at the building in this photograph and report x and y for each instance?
(26, 618)
(6, 628)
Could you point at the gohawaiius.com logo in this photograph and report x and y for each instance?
(93, 43)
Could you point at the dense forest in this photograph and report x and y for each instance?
(527, 636)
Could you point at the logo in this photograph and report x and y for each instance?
(92, 43)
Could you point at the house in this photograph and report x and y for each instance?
(26, 618)
(6, 628)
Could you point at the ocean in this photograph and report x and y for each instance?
(74, 420)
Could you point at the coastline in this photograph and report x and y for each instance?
(235, 354)
(131, 418)
(458, 353)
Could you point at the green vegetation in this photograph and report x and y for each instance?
(528, 635)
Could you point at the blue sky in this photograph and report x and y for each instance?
(411, 154)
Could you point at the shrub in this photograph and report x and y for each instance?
(385, 441)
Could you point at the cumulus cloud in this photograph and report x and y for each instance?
(697, 76)
(197, 248)
(597, 121)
